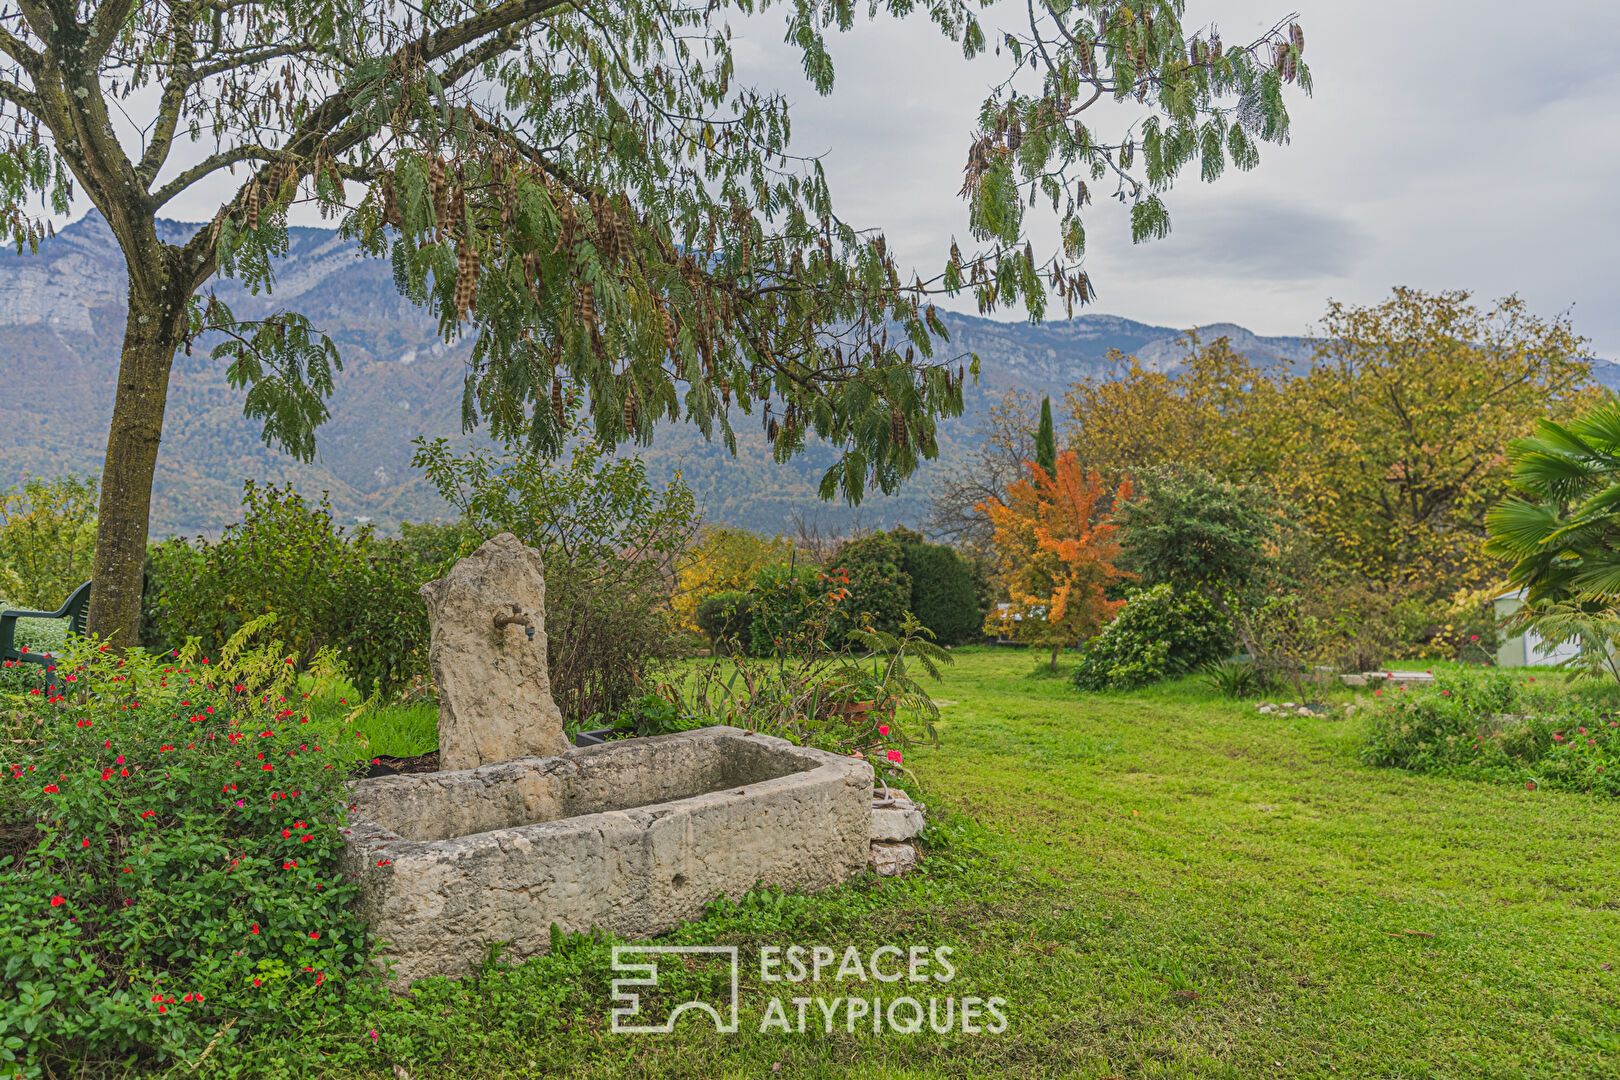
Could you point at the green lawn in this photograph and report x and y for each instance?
(1160, 885)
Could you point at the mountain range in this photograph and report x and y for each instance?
(62, 319)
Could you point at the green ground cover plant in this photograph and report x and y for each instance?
(1486, 724)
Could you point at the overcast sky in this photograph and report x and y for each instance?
(1450, 144)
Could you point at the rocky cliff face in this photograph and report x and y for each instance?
(61, 321)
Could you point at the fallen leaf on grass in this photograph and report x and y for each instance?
(1187, 995)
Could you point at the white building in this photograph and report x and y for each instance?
(1529, 649)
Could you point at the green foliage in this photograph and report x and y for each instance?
(609, 540)
(724, 619)
(1046, 440)
(1236, 679)
(944, 589)
(169, 847)
(1561, 526)
(865, 697)
(1190, 530)
(1596, 630)
(47, 540)
(786, 606)
(1484, 724)
(1159, 633)
(879, 586)
(723, 560)
(353, 593)
(655, 714)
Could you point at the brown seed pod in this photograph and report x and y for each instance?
(557, 400)
(466, 278)
(897, 428)
(438, 190)
(390, 204)
(251, 199)
(587, 305)
(631, 409)
(669, 330)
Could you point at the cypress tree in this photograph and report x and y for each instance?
(1046, 440)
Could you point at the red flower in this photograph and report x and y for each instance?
(255, 929)
(315, 935)
(286, 833)
(51, 789)
(86, 842)
(306, 838)
(289, 865)
(57, 901)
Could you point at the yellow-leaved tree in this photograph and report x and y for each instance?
(722, 560)
(1399, 431)
(1055, 552)
(1387, 451)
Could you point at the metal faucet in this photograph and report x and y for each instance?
(518, 617)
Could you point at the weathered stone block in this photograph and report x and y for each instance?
(891, 858)
(494, 690)
(901, 821)
(635, 836)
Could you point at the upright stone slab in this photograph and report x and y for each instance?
(494, 690)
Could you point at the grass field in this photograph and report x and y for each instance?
(1159, 885)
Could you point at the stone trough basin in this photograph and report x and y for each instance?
(634, 837)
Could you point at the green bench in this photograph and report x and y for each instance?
(76, 610)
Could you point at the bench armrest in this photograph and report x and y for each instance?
(12, 614)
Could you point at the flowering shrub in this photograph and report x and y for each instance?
(1484, 724)
(1159, 633)
(168, 858)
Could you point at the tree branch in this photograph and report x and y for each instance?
(23, 99)
(104, 26)
(250, 152)
(13, 46)
(174, 99)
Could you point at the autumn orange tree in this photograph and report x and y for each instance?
(1055, 553)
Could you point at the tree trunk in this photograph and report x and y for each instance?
(152, 333)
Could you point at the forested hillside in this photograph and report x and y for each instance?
(61, 318)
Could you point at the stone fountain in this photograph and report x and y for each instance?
(522, 831)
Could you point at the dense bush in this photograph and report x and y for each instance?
(1159, 633)
(609, 540)
(328, 588)
(1484, 724)
(1188, 529)
(724, 619)
(724, 560)
(944, 592)
(169, 878)
(880, 588)
(47, 541)
(783, 605)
